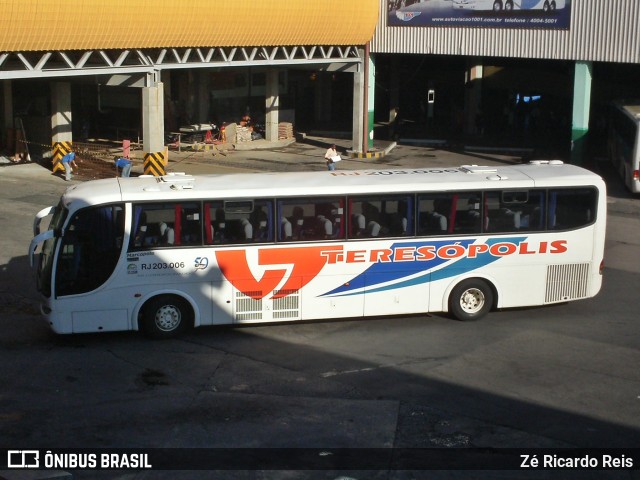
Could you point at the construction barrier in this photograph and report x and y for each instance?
(60, 149)
(154, 164)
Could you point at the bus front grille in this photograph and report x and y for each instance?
(567, 282)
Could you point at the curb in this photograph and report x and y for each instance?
(498, 150)
(375, 152)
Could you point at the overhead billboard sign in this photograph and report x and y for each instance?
(544, 14)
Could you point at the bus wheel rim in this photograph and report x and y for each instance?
(472, 300)
(167, 318)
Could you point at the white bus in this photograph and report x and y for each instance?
(509, 5)
(624, 142)
(167, 253)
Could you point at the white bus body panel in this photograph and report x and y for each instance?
(250, 283)
(517, 265)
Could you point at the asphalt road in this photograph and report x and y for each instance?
(555, 377)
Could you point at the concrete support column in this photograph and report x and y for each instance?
(272, 106)
(61, 126)
(203, 82)
(358, 111)
(371, 97)
(7, 114)
(153, 129)
(581, 104)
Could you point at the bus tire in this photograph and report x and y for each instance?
(471, 299)
(497, 6)
(508, 6)
(166, 316)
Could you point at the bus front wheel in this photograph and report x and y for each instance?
(471, 299)
(165, 316)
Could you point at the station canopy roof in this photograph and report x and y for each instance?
(45, 25)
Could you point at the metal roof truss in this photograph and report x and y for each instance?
(15, 65)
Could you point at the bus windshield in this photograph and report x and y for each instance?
(89, 249)
(46, 258)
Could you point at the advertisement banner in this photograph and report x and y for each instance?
(544, 14)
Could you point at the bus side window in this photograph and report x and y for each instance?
(139, 227)
(398, 216)
(166, 225)
(191, 225)
(297, 222)
(571, 208)
(366, 219)
(326, 226)
(284, 211)
(219, 226)
(292, 221)
(260, 224)
(433, 217)
(469, 214)
(214, 224)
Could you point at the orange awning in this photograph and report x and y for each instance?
(49, 25)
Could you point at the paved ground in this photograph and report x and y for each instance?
(309, 155)
(334, 383)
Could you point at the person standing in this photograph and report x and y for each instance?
(68, 161)
(332, 157)
(125, 164)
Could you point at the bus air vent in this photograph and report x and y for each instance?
(567, 282)
(248, 307)
(478, 169)
(252, 306)
(546, 162)
(287, 306)
(176, 177)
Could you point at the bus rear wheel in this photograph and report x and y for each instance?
(166, 316)
(471, 299)
(497, 6)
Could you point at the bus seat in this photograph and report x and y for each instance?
(219, 226)
(152, 234)
(259, 221)
(167, 234)
(297, 222)
(325, 227)
(287, 229)
(336, 227)
(359, 224)
(436, 222)
(247, 228)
